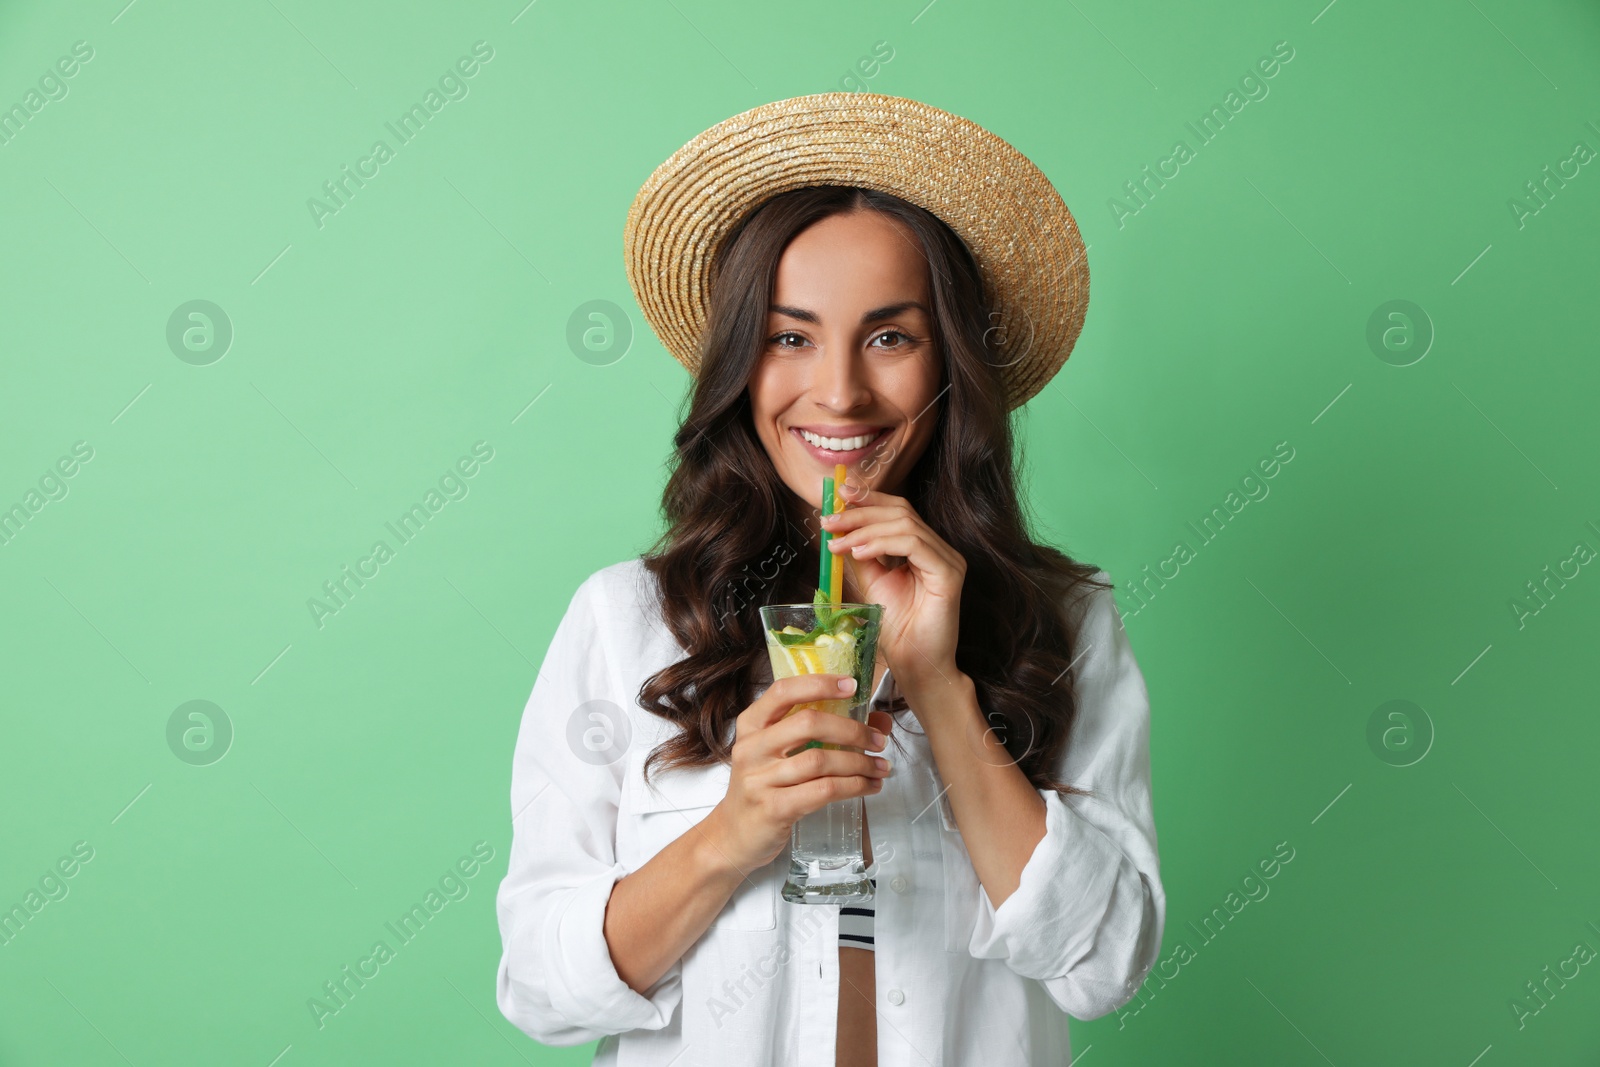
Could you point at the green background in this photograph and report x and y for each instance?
(1230, 313)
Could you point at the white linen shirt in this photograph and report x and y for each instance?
(958, 981)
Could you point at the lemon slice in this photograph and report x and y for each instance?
(837, 658)
(829, 654)
(799, 659)
(792, 657)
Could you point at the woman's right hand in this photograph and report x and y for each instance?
(768, 791)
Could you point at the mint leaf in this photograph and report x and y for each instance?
(829, 617)
(824, 610)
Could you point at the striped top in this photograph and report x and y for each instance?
(855, 923)
(856, 920)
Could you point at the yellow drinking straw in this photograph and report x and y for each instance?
(836, 575)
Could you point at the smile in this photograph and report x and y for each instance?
(833, 450)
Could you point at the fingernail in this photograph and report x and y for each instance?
(881, 763)
(878, 739)
(847, 685)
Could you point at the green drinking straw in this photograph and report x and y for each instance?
(825, 563)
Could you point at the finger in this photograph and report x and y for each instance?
(909, 546)
(871, 505)
(882, 722)
(823, 762)
(865, 496)
(864, 573)
(841, 544)
(852, 517)
(802, 799)
(784, 693)
(805, 725)
(893, 522)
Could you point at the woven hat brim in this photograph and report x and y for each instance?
(1026, 243)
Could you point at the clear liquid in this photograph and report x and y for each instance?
(826, 865)
(825, 860)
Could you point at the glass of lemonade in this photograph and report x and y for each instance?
(826, 865)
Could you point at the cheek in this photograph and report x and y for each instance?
(917, 443)
(912, 387)
(919, 397)
(769, 391)
(921, 379)
(768, 397)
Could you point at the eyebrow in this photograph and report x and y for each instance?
(885, 312)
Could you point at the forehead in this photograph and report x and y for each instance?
(851, 262)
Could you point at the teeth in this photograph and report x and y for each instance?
(839, 444)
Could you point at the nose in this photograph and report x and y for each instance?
(840, 384)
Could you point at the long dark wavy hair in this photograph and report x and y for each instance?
(736, 535)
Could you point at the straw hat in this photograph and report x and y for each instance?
(1020, 232)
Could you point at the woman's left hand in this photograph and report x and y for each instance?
(899, 562)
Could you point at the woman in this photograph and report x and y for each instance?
(839, 318)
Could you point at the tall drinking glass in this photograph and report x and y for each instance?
(826, 865)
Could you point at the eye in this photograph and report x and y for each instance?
(787, 339)
(904, 340)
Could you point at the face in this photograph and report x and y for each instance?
(849, 372)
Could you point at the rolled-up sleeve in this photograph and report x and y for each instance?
(1087, 916)
(556, 980)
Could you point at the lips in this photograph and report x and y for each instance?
(829, 457)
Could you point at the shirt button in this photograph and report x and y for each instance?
(898, 884)
(896, 997)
